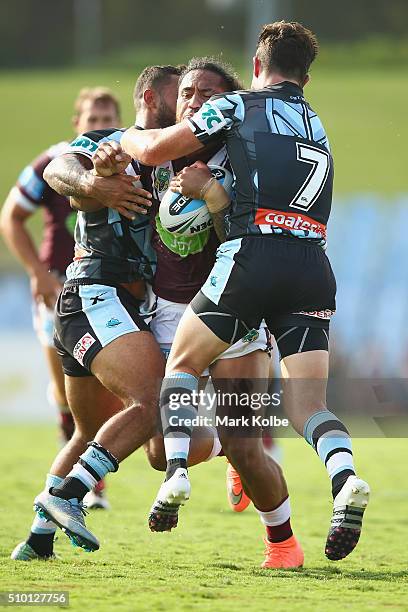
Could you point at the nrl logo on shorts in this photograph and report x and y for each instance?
(162, 179)
(251, 336)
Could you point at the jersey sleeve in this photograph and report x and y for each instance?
(87, 143)
(30, 187)
(216, 117)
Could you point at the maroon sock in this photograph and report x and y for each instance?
(280, 533)
(67, 425)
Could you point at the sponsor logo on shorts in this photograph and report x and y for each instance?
(98, 298)
(318, 314)
(113, 322)
(289, 221)
(213, 281)
(82, 346)
(251, 336)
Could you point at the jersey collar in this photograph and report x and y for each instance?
(287, 87)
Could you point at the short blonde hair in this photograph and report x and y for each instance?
(99, 95)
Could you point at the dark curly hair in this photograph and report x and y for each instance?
(214, 64)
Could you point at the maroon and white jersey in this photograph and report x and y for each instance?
(31, 192)
(183, 262)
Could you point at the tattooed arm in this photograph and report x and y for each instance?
(69, 175)
(73, 175)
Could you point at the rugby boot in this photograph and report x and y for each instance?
(24, 552)
(69, 516)
(172, 494)
(346, 523)
(283, 555)
(237, 498)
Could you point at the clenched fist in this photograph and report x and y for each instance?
(110, 158)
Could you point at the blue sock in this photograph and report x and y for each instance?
(177, 408)
(331, 440)
(92, 466)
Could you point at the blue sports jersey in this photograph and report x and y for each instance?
(280, 157)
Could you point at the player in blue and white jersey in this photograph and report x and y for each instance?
(264, 478)
(100, 334)
(272, 265)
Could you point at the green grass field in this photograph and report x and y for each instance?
(211, 561)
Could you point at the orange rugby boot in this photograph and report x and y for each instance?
(283, 555)
(237, 498)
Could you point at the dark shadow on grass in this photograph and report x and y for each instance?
(230, 566)
(334, 573)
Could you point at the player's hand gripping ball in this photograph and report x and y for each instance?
(186, 216)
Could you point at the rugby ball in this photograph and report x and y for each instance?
(184, 216)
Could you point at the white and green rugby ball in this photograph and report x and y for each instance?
(186, 217)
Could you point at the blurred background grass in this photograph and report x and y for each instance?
(49, 51)
(363, 108)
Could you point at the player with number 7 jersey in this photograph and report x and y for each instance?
(283, 161)
(272, 265)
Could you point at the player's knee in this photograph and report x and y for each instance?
(179, 364)
(143, 413)
(80, 438)
(243, 453)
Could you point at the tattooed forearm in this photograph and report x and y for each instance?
(69, 175)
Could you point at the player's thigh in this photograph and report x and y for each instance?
(194, 347)
(91, 404)
(304, 383)
(131, 366)
(304, 353)
(99, 331)
(251, 365)
(310, 365)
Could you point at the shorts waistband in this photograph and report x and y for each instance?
(86, 282)
(289, 239)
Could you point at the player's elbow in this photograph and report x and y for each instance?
(50, 172)
(7, 215)
(3, 222)
(152, 155)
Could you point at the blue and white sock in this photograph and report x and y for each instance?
(331, 440)
(177, 409)
(92, 466)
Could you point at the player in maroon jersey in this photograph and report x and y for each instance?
(95, 108)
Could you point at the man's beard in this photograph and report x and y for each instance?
(165, 116)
